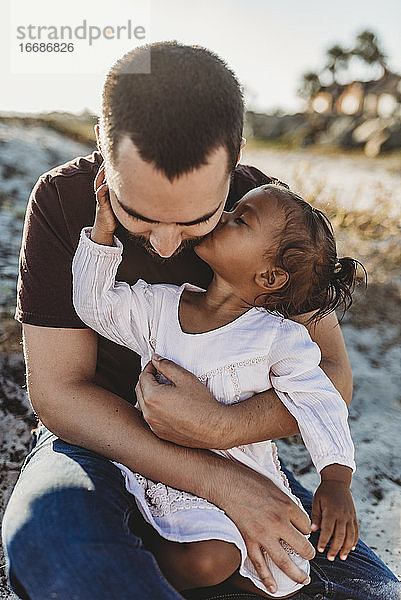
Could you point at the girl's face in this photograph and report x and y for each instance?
(236, 248)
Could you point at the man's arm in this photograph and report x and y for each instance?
(61, 381)
(192, 418)
(61, 378)
(335, 362)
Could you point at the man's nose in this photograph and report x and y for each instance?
(165, 240)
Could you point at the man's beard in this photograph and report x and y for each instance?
(142, 242)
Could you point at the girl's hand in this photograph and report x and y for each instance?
(333, 511)
(105, 221)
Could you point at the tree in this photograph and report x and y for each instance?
(337, 58)
(367, 49)
(310, 85)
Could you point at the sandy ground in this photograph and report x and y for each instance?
(354, 180)
(372, 331)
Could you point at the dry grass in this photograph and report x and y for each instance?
(77, 127)
(10, 335)
(372, 235)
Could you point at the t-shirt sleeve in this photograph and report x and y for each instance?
(44, 287)
(310, 396)
(118, 311)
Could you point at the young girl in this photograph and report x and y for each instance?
(273, 257)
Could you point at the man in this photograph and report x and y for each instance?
(170, 142)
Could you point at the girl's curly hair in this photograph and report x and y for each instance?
(318, 281)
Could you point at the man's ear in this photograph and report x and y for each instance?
(272, 280)
(97, 134)
(243, 142)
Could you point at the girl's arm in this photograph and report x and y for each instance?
(310, 397)
(335, 362)
(322, 419)
(116, 310)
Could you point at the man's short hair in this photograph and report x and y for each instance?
(188, 105)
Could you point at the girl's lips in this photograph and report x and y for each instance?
(215, 230)
(207, 237)
(212, 234)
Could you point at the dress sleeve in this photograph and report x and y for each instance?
(118, 311)
(311, 398)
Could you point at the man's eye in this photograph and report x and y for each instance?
(141, 220)
(239, 220)
(203, 222)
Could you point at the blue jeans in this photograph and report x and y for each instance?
(69, 533)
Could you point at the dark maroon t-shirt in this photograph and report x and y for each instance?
(61, 204)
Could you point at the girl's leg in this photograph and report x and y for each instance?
(195, 564)
(198, 564)
(66, 534)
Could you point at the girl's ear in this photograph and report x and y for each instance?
(272, 280)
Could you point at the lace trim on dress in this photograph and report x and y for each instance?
(232, 370)
(283, 476)
(278, 467)
(163, 500)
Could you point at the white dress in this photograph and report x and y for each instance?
(255, 352)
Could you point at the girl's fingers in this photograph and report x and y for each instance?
(356, 538)
(348, 541)
(99, 178)
(101, 192)
(337, 541)
(258, 560)
(316, 515)
(100, 185)
(326, 531)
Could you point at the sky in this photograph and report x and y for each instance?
(269, 45)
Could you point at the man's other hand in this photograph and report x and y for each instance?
(183, 412)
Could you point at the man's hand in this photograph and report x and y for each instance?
(184, 412)
(265, 515)
(333, 511)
